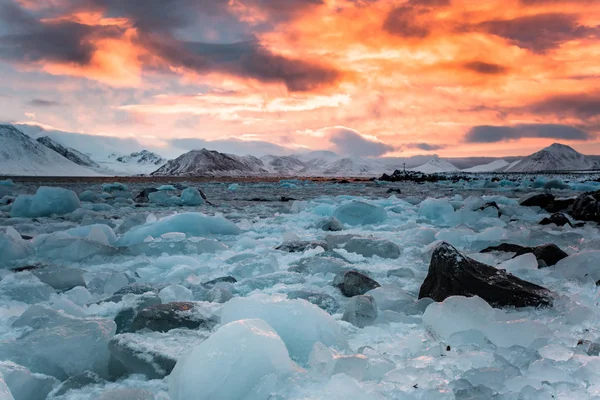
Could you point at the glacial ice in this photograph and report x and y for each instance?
(164, 198)
(46, 202)
(360, 213)
(25, 385)
(12, 246)
(244, 359)
(299, 323)
(191, 197)
(190, 223)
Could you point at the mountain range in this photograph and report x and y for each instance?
(40, 155)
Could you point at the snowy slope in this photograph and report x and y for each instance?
(497, 165)
(283, 165)
(76, 156)
(137, 163)
(557, 157)
(207, 162)
(143, 157)
(435, 165)
(21, 155)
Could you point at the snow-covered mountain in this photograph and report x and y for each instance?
(143, 157)
(557, 157)
(497, 165)
(76, 156)
(21, 155)
(283, 165)
(212, 163)
(435, 165)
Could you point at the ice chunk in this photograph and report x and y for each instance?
(299, 323)
(190, 223)
(391, 297)
(58, 344)
(7, 183)
(191, 197)
(175, 293)
(268, 280)
(581, 266)
(361, 311)
(113, 187)
(330, 224)
(233, 187)
(163, 198)
(242, 360)
(256, 266)
(12, 246)
(368, 247)
(25, 385)
(60, 245)
(5, 393)
(79, 381)
(319, 265)
(321, 300)
(46, 201)
(100, 233)
(60, 278)
(166, 187)
(524, 262)
(435, 209)
(457, 313)
(25, 287)
(125, 394)
(360, 213)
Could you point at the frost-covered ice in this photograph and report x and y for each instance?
(253, 276)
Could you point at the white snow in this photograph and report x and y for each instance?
(557, 157)
(436, 165)
(496, 165)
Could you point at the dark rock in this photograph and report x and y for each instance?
(540, 200)
(587, 207)
(588, 347)
(331, 224)
(550, 254)
(491, 204)
(353, 283)
(369, 247)
(164, 317)
(299, 246)
(557, 218)
(452, 274)
(223, 279)
(135, 288)
(361, 311)
(343, 181)
(560, 205)
(142, 197)
(285, 199)
(505, 247)
(79, 381)
(26, 268)
(321, 300)
(153, 364)
(125, 317)
(26, 237)
(394, 190)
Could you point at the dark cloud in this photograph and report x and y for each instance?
(43, 103)
(350, 142)
(485, 68)
(577, 105)
(407, 21)
(538, 33)
(493, 134)
(246, 59)
(425, 146)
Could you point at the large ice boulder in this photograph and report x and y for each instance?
(435, 209)
(191, 197)
(369, 247)
(12, 245)
(582, 266)
(361, 311)
(299, 323)
(360, 213)
(242, 360)
(25, 385)
(163, 198)
(57, 344)
(461, 314)
(46, 202)
(190, 223)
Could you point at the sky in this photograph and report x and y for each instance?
(360, 77)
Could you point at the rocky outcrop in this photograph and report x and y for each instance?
(587, 207)
(546, 254)
(353, 283)
(452, 274)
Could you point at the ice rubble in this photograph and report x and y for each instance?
(242, 360)
(45, 202)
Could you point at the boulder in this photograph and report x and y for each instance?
(353, 283)
(164, 317)
(587, 207)
(368, 247)
(321, 300)
(550, 254)
(361, 311)
(452, 274)
(541, 200)
(300, 246)
(138, 358)
(216, 281)
(558, 218)
(142, 197)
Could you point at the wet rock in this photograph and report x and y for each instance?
(541, 200)
(321, 300)
(394, 190)
(361, 311)
(164, 317)
(550, 254)
(79, 381)
(560, 205)
(124, 318)
(558, 218)
(587, 207)
(138, 359)
(223, 279)
(299, 246)
(452, 274)
(373, 247)
(142, 197)
(353, 283)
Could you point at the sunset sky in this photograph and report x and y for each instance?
(365, 77)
